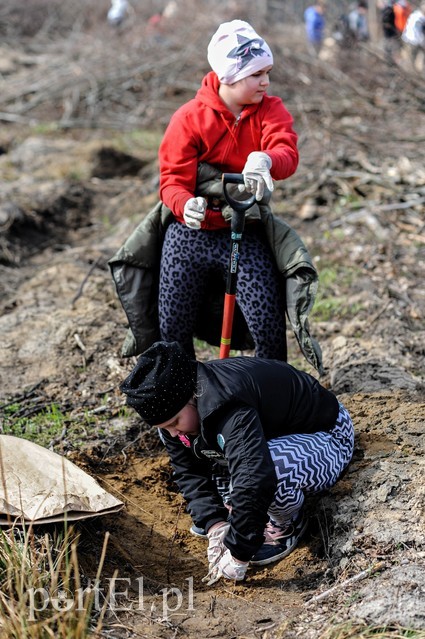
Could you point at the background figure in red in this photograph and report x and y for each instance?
(402, 11)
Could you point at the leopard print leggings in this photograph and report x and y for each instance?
(189, 256)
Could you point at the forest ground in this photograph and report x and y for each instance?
(73, 192)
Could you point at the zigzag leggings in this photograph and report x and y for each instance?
(308, 464)
(304, 464)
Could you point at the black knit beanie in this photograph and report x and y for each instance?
(161, 383)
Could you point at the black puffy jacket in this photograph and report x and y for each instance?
(243, 402)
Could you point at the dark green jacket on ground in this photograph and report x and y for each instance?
(135, 272)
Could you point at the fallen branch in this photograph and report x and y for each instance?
(81, 288)
(361, 575)
(397, 206)
(13, 117)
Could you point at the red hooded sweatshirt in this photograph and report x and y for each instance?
(205, 130)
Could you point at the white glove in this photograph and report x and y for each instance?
(216, 548)
(227, 567)
(194, 212)
(232, 568)
(256, 174)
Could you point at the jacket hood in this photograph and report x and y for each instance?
(208, 95)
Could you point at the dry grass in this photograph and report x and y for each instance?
(41, 595)
(349, 630)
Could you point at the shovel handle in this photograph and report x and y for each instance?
(237, 205)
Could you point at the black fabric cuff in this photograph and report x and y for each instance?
(216, 519)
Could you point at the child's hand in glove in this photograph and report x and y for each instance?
(227, 567)
(216, 535)
(256, 174)
(194, 212)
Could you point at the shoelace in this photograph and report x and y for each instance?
(274, 531)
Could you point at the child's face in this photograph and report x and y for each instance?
(251, 90)
(186, 422)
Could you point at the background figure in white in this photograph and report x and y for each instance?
(117, 12)
(414, 36)
(170, 10)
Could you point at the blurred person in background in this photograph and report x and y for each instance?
(402, 11)
(357, 22)
(118, 12)
(414, 36)
(390, 32)
(314, 18)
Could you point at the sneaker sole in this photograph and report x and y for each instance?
(285, 553)
(196, 534)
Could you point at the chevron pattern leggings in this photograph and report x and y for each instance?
(308, 464)
(304, 464)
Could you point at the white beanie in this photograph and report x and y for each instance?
(237, 51)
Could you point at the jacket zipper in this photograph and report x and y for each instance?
(232, 137)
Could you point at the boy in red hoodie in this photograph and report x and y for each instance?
(235, 126)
